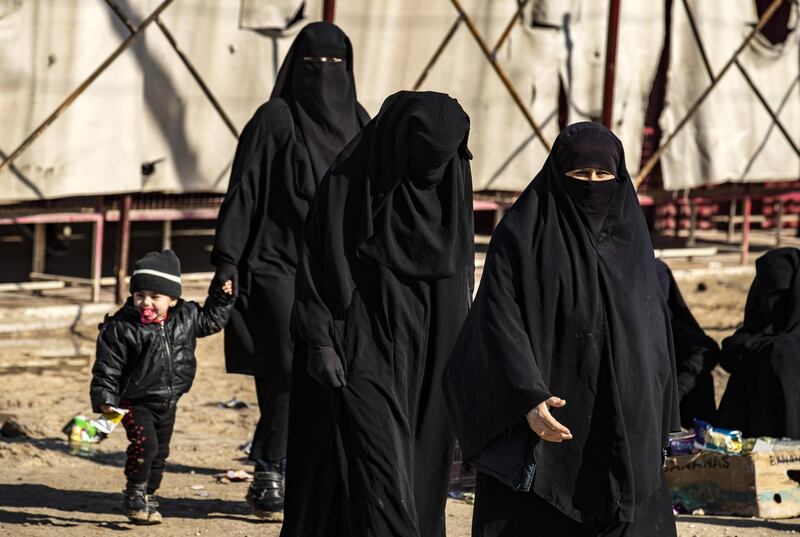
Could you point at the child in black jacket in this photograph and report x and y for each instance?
(145, 362)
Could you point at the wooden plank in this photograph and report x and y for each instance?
(671, 253)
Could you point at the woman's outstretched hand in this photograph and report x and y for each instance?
(544, 424)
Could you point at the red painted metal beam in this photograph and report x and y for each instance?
(123, 248)
(329, 10)
(611, 62)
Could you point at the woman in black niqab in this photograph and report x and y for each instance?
(762, 397)
(696, 354)
(283, 152)
(568, 315)
(381, 294)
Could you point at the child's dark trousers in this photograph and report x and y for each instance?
(149, 430)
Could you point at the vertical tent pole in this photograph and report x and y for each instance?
(166, 235)
(39, 247)
(611, 62)
(731, 221)
(97, 258)
(123, 246)
(328, 10)
(747, 207)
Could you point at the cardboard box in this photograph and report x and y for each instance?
(764, 485)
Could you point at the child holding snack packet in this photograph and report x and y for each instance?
(145, 362)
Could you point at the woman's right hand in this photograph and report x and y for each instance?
(544, 424)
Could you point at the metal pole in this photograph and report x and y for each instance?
(97, 259)
(648, 167)
(501, 73)
(85, 84)
(329, 10)
(188, 64)
(123, 247)
(747, 209)
(39, 247)
(611, 62)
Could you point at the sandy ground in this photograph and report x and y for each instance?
(45, 491)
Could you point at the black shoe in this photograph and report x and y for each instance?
(265, 495)
(134, 504)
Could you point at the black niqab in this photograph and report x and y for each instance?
(763, 395)
(322, 95)
(561, 313)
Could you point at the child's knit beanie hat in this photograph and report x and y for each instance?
(159, 272)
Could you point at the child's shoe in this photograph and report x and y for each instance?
(265, 495)
(153, 516)
(134, 504)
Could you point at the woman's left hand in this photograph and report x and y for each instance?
(544, 424)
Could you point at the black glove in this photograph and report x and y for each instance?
(226, 272)
(325, 366)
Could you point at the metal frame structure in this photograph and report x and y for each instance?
(125, 215)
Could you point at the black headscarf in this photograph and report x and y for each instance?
(763, 394)
(590, 149)
(415, 225)
(322, 96)
(562, 311)
(411, 221)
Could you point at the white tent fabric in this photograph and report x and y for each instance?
(732, 137)
(95, 146)
(146, 108)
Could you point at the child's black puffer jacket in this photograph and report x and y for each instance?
(153, 363)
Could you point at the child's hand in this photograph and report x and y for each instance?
(105, 409)
(227, 287)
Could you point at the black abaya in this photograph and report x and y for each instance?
(282, 154)
(569, 309)
(696, 354)
(385, 283)
(763, 356)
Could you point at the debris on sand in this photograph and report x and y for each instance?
(13, 429)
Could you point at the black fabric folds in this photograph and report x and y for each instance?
(282, 154)
(384, 281)
(560, 312)
(763, 393)
(696, 354)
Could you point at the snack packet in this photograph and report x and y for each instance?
(82, 430)
(680, 444)
(712, 438)
(108, 421)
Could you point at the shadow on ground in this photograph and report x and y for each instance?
(732, 522)
(91, 503)
(106, 458)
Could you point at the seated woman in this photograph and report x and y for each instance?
(763, 356)
(561, 384)
(696, 354)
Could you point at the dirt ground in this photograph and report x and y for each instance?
(44, 490)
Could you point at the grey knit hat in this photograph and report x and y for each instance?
(159, 272)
